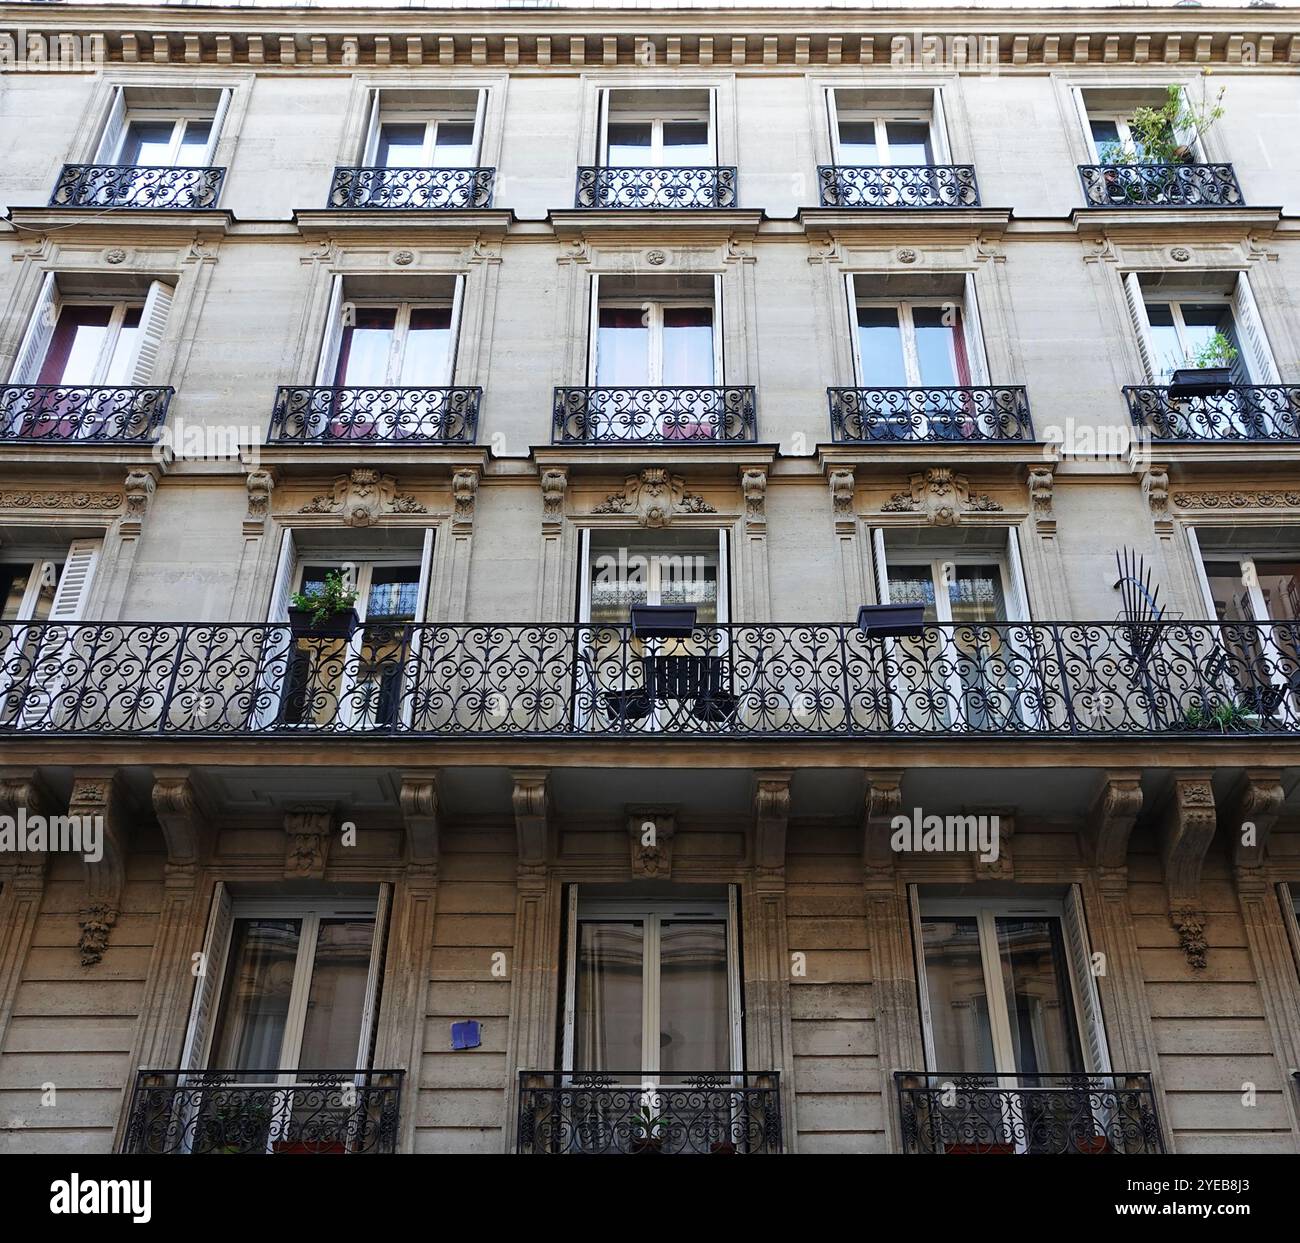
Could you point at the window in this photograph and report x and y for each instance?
(658, 129)
(1181, 330)
(886, 128)
(1249, 589)
(623, 568)
(912, 344)
(55, 589)
(424, 129)
(655, 343)
(1106, 117)
(163, 129)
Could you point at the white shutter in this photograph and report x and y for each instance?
(1202, 579)
(1137, 309)
(218, 120)
(277, 641)
(939, 130)
(719, 366)
(1091, 1027)
(855, 340)
(370, 1008)
(833, 122)
(974, 334)
(1259, 358)
(480, 113)
(1081, 109)
(207, 985)
(36, 340)
(413, 671)
(1019, 588)
(713, 124)
(72, 595)
(593, 332)
(1187, 135)
(584, 575)
(283, 583)
(453, 341)
(570, 978)
(110, 142)
(370, 145)
(880, 565)
(922, 992)
(724, 579)
(602, 127)
(329, 352)
(153, 323)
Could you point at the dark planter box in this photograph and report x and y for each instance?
(882, 620)
(663, 621)
(336, 626)
(1200, 382)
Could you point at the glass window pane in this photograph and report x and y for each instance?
(623, 346)
(975, 594)
(1167, 353)
(366, 346)
(687, 143)
(148, 143)
(428, 345)
(1202, 321)
(1279, 583)
(194, 144)
(1228, 587)
(689, 578)
(255, 996)
(1106, 138)
(958, 994)
(607, 1023)
(858, 142)
(688, 345)
(936, 331)
(401, 145)
(394, 592)
(125, 348)
(76, 346)
(880, 343)
(629, 144)
(694, 1013)
(1036, 981)
(909, 142)
(337, 996)
(454, 145)
(14, 579)
(913, 584)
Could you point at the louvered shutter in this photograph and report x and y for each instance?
(1254, 344)
(153, 324)
(1137, 309)
(207, 983)
(40, 330)
(1092, 1029)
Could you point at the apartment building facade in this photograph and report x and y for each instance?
(821, 498)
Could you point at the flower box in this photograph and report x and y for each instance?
(663, 621)
(882, 620)
(340, 625)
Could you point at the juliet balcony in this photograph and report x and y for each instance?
(654, 415)
(57, 413)
(927, 415)
(901, 186)
(945, 1114)
(315, 415)
(1237, 412)
(1184, 679)
(1160, 185)
(649, 189)
(639, 1114)
(138, 186)
(411, 189)
(265, 1112)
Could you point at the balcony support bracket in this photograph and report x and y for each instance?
(1188, 830)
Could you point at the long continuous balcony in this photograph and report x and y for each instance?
(636, 1113)
(1242, 412)
(138, 186)
(678, 189)
(412, 189)
(54, 413)
(314, 415)
(1160, 185)
(870, 415)
(654, 415)
(806, 680)
(1058, 1115)
(264, 1112)
(926, 185)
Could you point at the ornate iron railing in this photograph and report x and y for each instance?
(948, 1113)
(873, 185)
(59, 412)
(644, 1113)
(1160, 185)
(804, 680)
(138, 185)
(316, 415)
(656, 188)
(412, 189)
(1243, 412)
(650, 415)
(865, 415)
(244, 1111)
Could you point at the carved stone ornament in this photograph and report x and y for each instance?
(1155, 483)
(655, 497)
(843, 486)
(96, 922)
(403, 257)
(1040, 496)
(555, 482)
(307, 841)
(650, 832)
(139, 486)
(75, 501)
(656, 258)
(753, 485)
(907, 255)
(1190, 926)
(1237, 500)
(259, 484)
(362, 497)
(1179, 254)
(115, 255)
(942, 495)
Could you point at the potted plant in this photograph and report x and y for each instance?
(325, 612)
(234, 1124)
(1227, 718)
(1208, 372)
(648, 1131)
(1167, 134)
(881, 620)
(663, 621)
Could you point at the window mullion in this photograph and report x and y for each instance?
(299, 990)
(1004, 1057)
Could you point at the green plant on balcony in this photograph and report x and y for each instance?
(1167, 134)
(1218, 351)
(320, 606)
(1226, 717)
(648, 1130)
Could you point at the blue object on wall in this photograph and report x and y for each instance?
(466, 1035)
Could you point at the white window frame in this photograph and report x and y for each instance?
(585, 570)
(653, 310)
(655, 153)
(882, 119)
(112, 335)
(1175, 306)
(1122, 119)
(401, 331)
(379, 116)
(942, 603)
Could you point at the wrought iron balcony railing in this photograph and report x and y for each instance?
(802, 680)
(649, 415)
(316, 415)
(1052, 1115)
(263, 1112)
(656, 188)
(643, 1112)
(868, 415)
(1160, 185)
(873, 185)
(412, 189)
(138, 185)
(1243, 412)
(44, 413)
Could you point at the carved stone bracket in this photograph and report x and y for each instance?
(139, 488)
(184, 826)
(1155, 486)
(654, 497)
(1190, 926)
(941, 496)
(884, 800)
(95, 799)
(1003, 868)
(555, 484)
(1188, 831)
(753, 486)
(1041, 482)
(307, 833)
(1110, 822)
(362, 497)
(771, 818)
(419, 803)
(1254, 810)
(464, 493)
(18, 794)
(650, 834)
(843, 486)
(259, 484)
(532, 803)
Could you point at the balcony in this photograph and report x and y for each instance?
(654, 189)
(930, 415)
(239, 1111)
(411, 189)
(654, 415)
(138, 186)
(1160, 185)
(632, 1113)
(904, 186)
(1044, 1115)
(55, 413)
(479, 681)
(324, 416)
(1244, 412)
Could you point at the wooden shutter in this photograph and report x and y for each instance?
(72, 595)
(570, 978)
(1287, 901)
(974, 334)
(413, 670)
(282, 586)
(1081, 110)
(922, 992)
(1137, 310)
(1250, 328)
(480, 115)
(218, 120)
(1019, 588)
(40, 329)
(1202, 579)
(110, 141)
(880, 565)
(207, 986)
(593, 332)
(453, 336)
(370, 140)
(939, 130)
(374, 981)
(1088, 1002)
(1188, 135)
(329, 352)
(153, 323)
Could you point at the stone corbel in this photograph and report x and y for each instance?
(1041, 482)
(18, 795)
(96, 799)
(555, 484)
(1187, 833)
(753, 485)
(884, 801)
(419, 803)
(843, 486)
(307, 832)
(180, 815)
(259, 484)
(139, 488)
(771, 819)
(532, 803)
(1254, 810)
(1112, 817)
(650, 833)
(1003, 868)
(1155, 487)
(464, 492)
